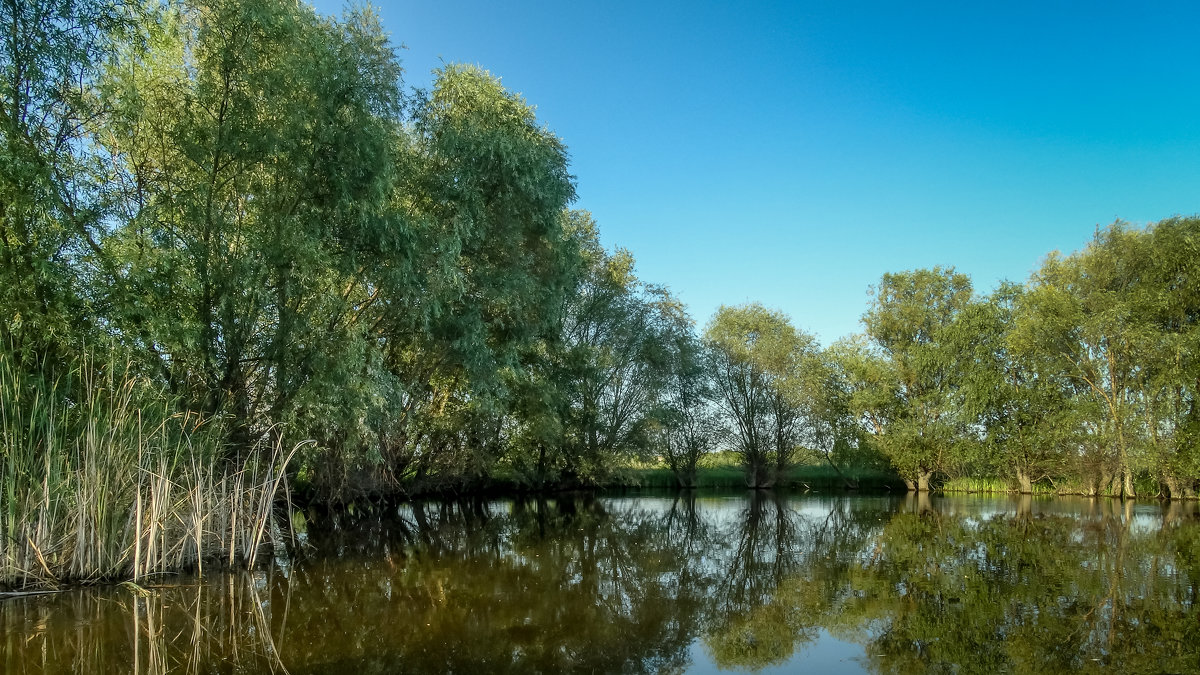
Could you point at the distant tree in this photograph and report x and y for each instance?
(909, 314)
(758, 357)
(1084, 315)
(613, 327)
(872, 392)
(598, 401)
(686, 416)
(835, 430)
(1027, 416)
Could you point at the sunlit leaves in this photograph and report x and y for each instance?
(758, 366)
(908, 319)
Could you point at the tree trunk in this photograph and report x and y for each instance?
(1114, 485)
(923, 480)
(1127, 488)
(758, 475)
(1024, 482)
(1171, 483)
(912, 487)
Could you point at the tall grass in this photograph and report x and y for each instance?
(993, 486)
(822, 477)
(101, 478)
(724, 470)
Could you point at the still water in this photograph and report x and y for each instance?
(675, 583)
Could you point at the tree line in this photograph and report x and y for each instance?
(1084, 379)
(241, 206)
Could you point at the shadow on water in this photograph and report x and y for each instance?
(665, 584)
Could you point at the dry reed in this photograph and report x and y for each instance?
(101, 478)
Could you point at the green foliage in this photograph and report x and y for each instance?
(246, 243)
(759, 362)
(53, 192)
(245, 199)
(1107, 320)
(685, 419)
(1027, 415)
(836, 389)
(601, 390)
(908, 321)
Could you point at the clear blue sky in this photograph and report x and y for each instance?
(792, 152)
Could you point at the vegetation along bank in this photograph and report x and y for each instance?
(241, 262)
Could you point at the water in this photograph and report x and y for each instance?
(706, 584)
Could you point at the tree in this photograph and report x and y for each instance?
(52, 191)
(831, 380)
(685, 416)
(484, 187)
(907, 319)
(1083, 314)
(1171, 379)
(253, 221)
(758, 357)
(1027, 415)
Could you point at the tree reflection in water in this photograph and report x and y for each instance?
(580, 584)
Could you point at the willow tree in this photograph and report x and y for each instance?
(484, 187)
(1171, 365)
(606, 374)
(1084, 315)
(686, 416)
(757, 366)
(256, 146)
(52, 181)
(832, 380)
(1028, 415)
(909, 314)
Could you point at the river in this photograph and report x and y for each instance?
(695, 583)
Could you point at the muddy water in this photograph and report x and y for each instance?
(744, 582)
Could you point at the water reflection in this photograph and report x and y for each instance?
(666, 584)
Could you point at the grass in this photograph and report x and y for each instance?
(101, 478)
(992, 486)
(824, 477)
(724, 470)
(1043, 487)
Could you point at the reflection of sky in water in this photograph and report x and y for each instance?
(825, 655)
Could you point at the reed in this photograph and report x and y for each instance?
(992, 486)
(102, 478)
(723, 470)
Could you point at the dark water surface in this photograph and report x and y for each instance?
(692, 584)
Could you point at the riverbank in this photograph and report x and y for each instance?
(721, 470)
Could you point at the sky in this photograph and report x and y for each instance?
(790, 153)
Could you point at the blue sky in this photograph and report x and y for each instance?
(792, 152)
